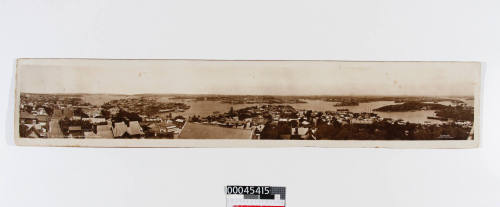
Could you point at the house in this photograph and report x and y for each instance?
(134, 129)
(95, 120)
(160, 130)
(104, 131)
(27, 118)
(76, 131)
(76, 118)
(119, 129)
(301, 133)
(101, 131)
(32, 132)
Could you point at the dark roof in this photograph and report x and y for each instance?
(26, 115)
(204, 131)
(33, 133)
(30, 131)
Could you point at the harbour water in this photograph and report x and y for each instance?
(205, 108)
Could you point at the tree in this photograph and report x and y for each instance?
(79, 112)
(123, 115)
(28, 108)
(284, 128)
(86, 126)
(346, 132)
(270, 132)
(49, 110)
(106, 113)
(326, 131)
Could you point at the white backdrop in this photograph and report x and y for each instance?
(216, 29)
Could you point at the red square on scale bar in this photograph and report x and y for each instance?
(255, 206)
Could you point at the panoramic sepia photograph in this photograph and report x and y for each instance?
(80, 99)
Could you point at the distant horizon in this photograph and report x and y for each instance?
(213, 94)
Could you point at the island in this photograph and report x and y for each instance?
(411, 106)
(458, 112)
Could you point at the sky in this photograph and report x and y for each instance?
(248, 77)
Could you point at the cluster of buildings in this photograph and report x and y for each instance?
(301, 123)
(51, 116)
(290, 123)
(33, 125)
(47, 116)
(36, 112)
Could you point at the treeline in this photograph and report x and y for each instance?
(457, 113)
(376, 131)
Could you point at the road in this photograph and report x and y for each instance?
(55, 130)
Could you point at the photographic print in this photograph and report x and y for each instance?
(222, 103)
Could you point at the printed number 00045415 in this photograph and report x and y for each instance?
(249, 190)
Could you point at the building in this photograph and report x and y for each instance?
(31, 131)
(133, 130)
(90, 135)
(104, 131)
(27, 118)
(43, 119)
(75, 132)
(95, 120)
(301, 133)
(119, 129)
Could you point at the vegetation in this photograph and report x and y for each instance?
(411, 106)
(126, 116)
(457, 113)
